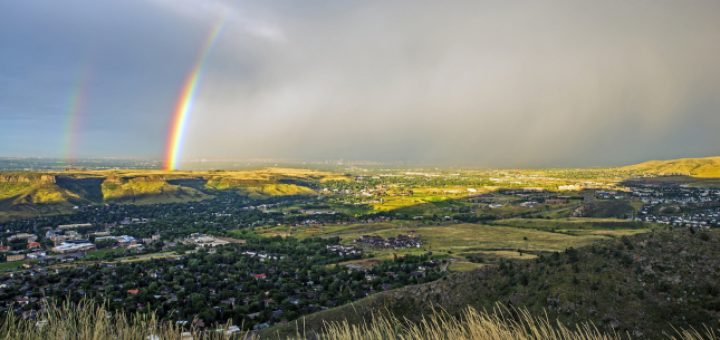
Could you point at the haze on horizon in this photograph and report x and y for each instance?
(492, 83)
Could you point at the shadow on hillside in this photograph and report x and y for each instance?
(197, 183)
(89, 188)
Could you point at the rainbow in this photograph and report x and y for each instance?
(185, 102)
(75, 109)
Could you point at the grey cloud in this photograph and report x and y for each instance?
(493, 83)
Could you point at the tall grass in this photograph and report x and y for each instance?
(500, 324)
(90, 321)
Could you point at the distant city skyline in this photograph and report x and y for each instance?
(484, 83)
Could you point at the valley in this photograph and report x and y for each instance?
(291, 242)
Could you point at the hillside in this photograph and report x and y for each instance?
(708, 167)
(28, 193)
(641, 285)
(147, 189)
(88, 320)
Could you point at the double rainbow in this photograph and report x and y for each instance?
(185, 102)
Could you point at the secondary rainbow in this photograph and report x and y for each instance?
(184, 105)
(75, 109)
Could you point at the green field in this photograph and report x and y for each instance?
(503, 239)
(579, 226)
(102, 253)
(11, 266)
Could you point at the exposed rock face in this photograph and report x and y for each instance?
(27, 178)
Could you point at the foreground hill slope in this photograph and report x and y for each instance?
(644, 285)
(87, 320)
(708, 167)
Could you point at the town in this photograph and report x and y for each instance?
(264, 261)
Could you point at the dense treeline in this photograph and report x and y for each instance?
(263, 281)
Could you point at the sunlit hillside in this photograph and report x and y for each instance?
(698, 167)
(23, 193)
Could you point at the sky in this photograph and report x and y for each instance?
(487, 83)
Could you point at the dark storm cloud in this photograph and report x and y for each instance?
(493, 83)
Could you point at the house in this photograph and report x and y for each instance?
(71, 246)
(261, 276)
(401, 241)
(15, 257)
(126, 241)
(36, 255)
(33, 245)
(23, 236)
(133, 291)
(74, 226)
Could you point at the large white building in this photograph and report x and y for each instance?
(73, 247)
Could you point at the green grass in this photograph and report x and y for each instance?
(462, 237)
(531, 235)
(148, 257)
(277, 189)
(101, 253)
(8, 190)
(12, 266)
(464, 266)
(580, 226)
(48, 194)
(148, 190)
(423, 201)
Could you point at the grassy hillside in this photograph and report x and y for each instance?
(46, 194)
(23, 194)
(271, 181)
(474, 245)
(708, 167)
(89, 321)
(147, 189)
(643, 285)
(29, 193)
(257, 187)
(8, 190)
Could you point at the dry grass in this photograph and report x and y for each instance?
(498, 325)
(501, 324)
(89, 321)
